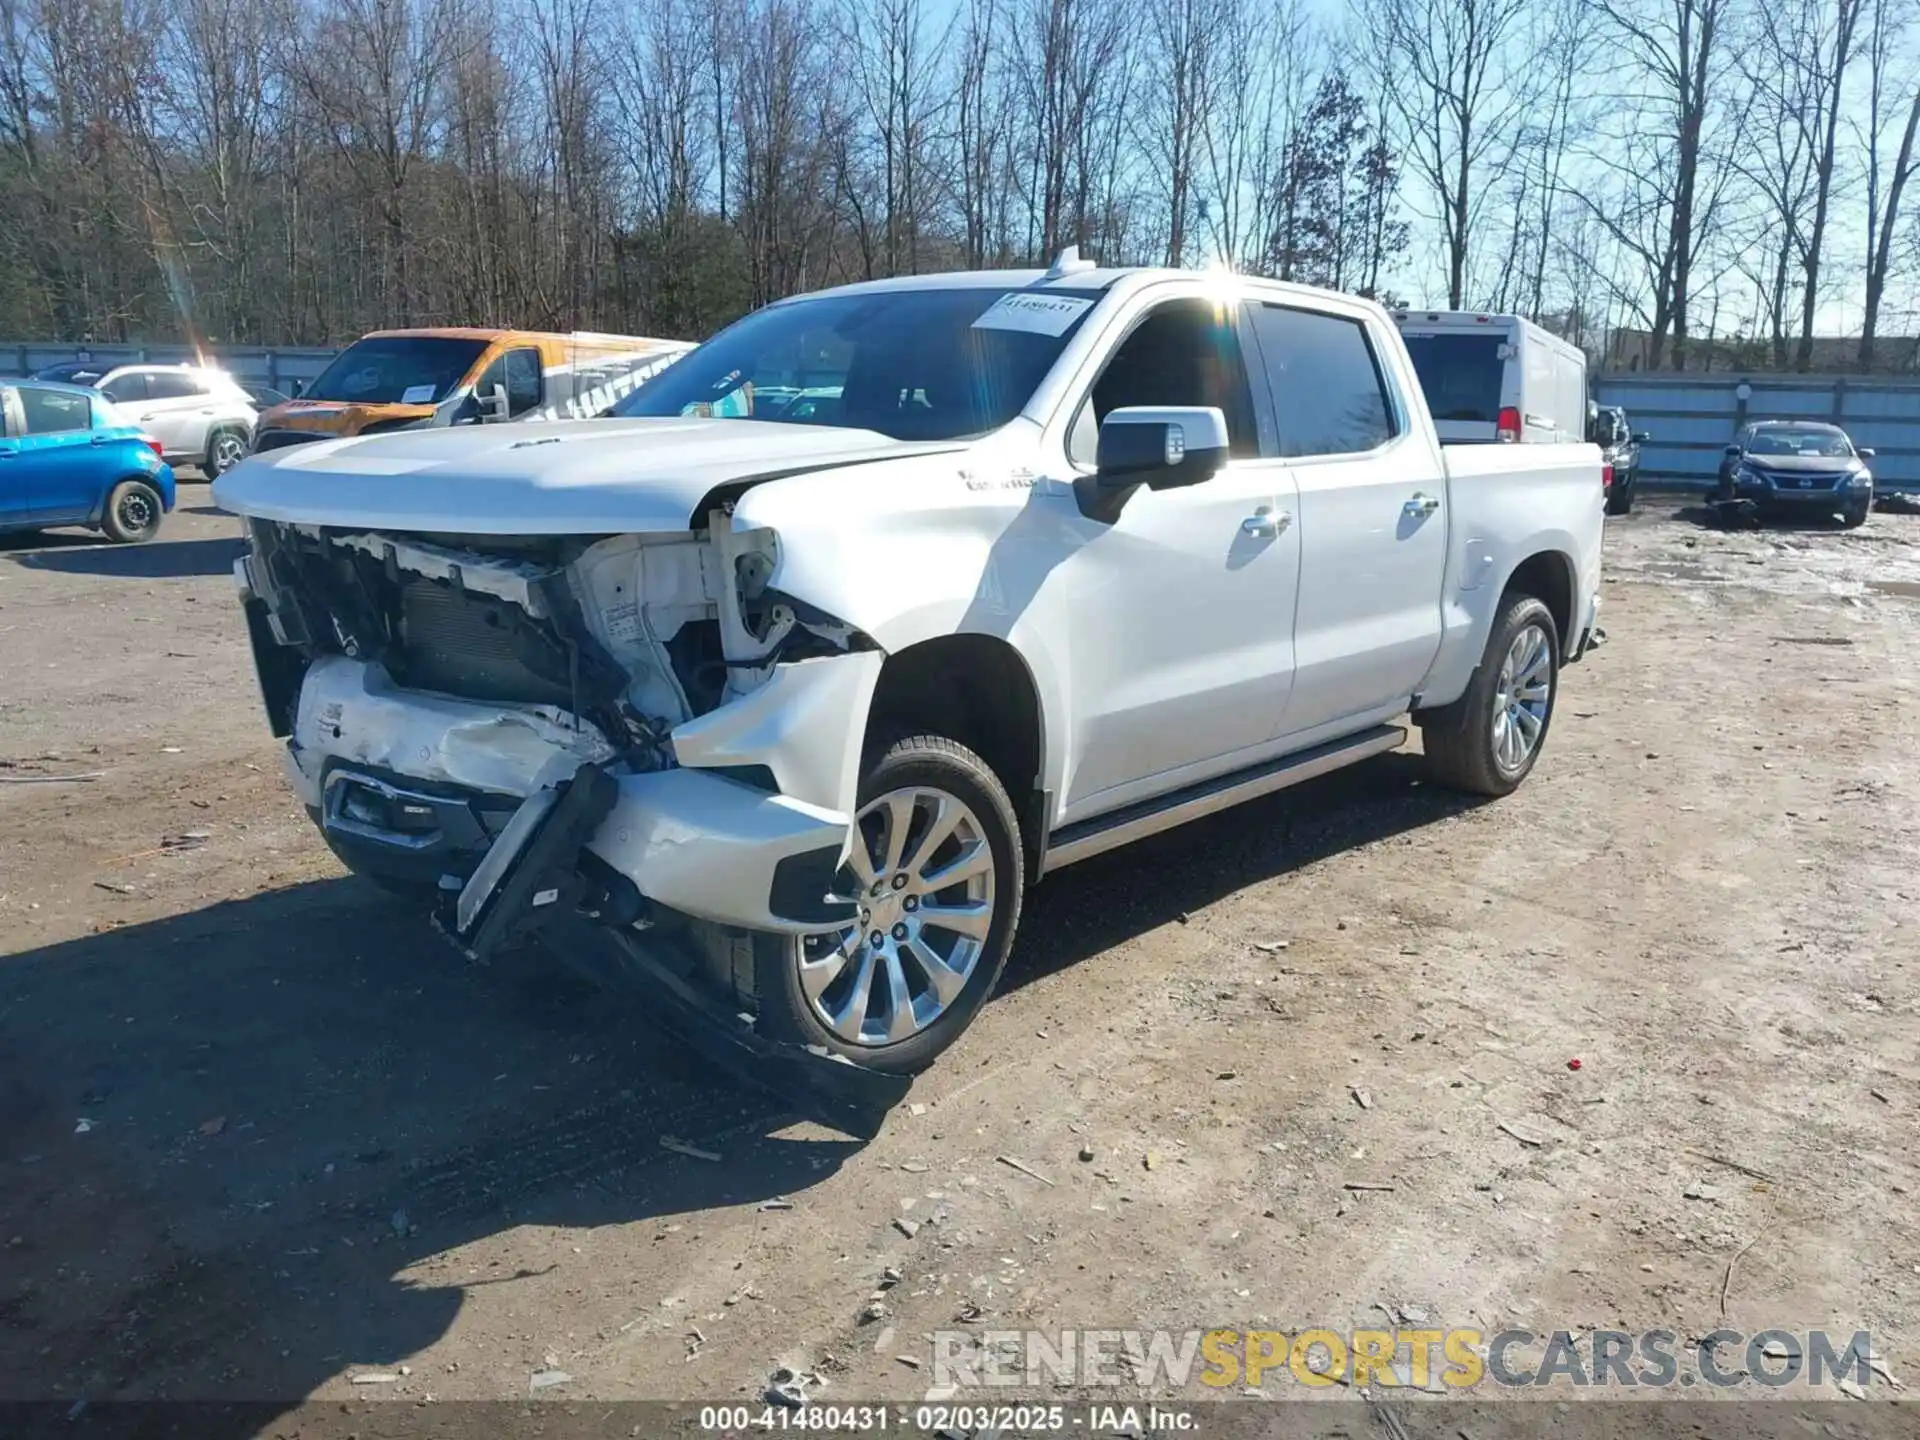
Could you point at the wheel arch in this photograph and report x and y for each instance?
(976, 689)
(1548, 576)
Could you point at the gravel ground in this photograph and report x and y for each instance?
(260, 1133)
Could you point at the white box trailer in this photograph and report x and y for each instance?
(1496, 377)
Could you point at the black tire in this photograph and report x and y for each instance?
(1620, 497)
(936, 763)
(1854, 516)
(1459, 738)
(132, 512)
(220, 459)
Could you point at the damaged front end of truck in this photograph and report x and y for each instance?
(632, 742)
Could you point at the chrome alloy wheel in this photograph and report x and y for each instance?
(228, 451)
(1520, 704)
(921, 871)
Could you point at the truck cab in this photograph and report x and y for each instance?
(889, 601)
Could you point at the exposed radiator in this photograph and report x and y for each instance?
(461, 643)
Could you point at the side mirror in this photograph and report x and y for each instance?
(1866, 452)
(1161, 447)
(1643, 436)
(1733, 452)
(493, 405)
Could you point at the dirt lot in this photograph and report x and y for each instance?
(260, 1133)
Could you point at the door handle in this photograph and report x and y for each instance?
(1266, 522)
(1421, 504)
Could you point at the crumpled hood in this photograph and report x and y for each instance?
(569, 477)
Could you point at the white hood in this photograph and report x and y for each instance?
(580, 477)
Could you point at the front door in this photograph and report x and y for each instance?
(1372, 504)
(1181, 611)
(17, 504)
(57, 453)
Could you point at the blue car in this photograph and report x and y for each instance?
(67, 457)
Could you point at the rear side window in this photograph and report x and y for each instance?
(1461, 375)
(125, 389)
(172, 385)
(54, 412)
(1328, 394)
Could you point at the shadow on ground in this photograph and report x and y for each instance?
(88, 554)
(227, 1136)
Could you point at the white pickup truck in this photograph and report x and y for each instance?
(885, 603)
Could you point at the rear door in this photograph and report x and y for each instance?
(178, 411)
(1373, 517)
(63, 467)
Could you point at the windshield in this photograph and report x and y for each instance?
(912, 364)
(1459, 374)
(396, 370)
(1819, 443)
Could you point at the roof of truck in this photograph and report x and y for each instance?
(1099, 277)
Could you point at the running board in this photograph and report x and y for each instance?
(1149, 817)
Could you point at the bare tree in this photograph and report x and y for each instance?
(1456, 74)
(1893, 98)
(1666, 142)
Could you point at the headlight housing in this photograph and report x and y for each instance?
(1860, 480)
(1746, 474)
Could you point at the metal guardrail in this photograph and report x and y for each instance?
(1693, 417)
(275, 365)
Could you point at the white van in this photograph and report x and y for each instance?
(1496, 377)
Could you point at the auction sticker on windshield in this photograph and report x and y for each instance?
(1037, 314)
(417, 395)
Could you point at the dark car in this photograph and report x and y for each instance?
(74, 372)
(1798, 465)
(264, 397)
(1620, 449)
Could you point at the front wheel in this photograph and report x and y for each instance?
(133, 512)
(937, 870)
(1855, 515)
(1486, 741)
(1620, 498)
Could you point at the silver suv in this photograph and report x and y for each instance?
(200, 416)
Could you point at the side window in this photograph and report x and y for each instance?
(54, 412)
(172, 385)
(1329, 397)
(522, 382)
(126, 389)
(1185, 352)
(519, 372)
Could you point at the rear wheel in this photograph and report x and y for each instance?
(1486, 741)
(133, 512)
(225, 449)
(937, 871)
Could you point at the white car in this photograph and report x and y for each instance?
(1496, 377)
(201, 416)
(797, 712)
